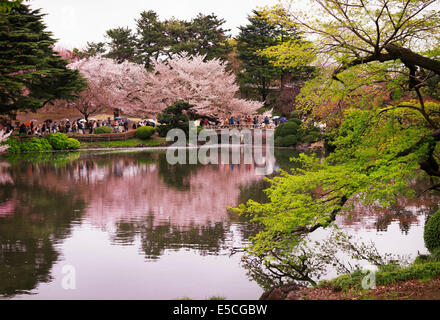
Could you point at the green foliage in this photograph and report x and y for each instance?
(290, 127)
(7, 5)
(432, 232)
(371, 161)
(72, 144)
(387, 276)
(102, 129)
(155, 38)
(59, 141)
(122, 45)
(145, 132)
(32, 145)
(173, 117)
(31, 72)
(35, 144)
(259, 71)
(287, 141)
(293, 132)
(14, 145)
(382, 128)
(433, 257)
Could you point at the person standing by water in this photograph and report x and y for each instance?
(81, 127)
(266, 122)
(22, 129)
(255, 122)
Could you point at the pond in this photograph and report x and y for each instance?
(133, 226)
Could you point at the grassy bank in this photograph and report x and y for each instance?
(129, 143)
(387, 275)
(419, 281)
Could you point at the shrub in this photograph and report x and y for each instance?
(14, 145)
(101, 130)
(35, 144)
(311, 137)
(293, 132)
(432, 232)
(287, 141)
(59, 141)
(72, 144)
(144, 132)
(174, 117)
(287, 128)
(45, 145)
(295, 120)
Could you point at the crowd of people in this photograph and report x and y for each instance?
(79, 126)
(119, 125)
(249, 122)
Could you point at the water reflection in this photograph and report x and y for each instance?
(33, 220)
(137, 200)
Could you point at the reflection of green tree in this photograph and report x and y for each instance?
(28, 235)
(283, 156)
(175, 176)
(59, 159)
(208, 238)
(146, 158)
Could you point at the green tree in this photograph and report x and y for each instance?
(208, 37)
(150, 37)
(7, 5)
(258, 73)
(156, 39)
(174, 117)
(92, 49)
(31, 72)
(122, 45)
(383, 54)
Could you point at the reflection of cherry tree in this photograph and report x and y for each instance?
(406, 211)
(132, 186)
(5, 177)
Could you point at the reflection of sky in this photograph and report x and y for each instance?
(177, 274)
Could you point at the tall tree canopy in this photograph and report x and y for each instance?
(7, 5)
(155, 38)
(122, 45)
(32, 74)
(258, 73)
(378, 82)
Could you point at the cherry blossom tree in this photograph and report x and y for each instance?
(3, 137)
(129, 87)
(110, 84)
(205, 84)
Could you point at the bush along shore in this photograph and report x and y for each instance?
(141, 138)
(53, 141)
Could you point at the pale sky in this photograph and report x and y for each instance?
(74, 22)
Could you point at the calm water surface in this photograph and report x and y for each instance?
(135, 227)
